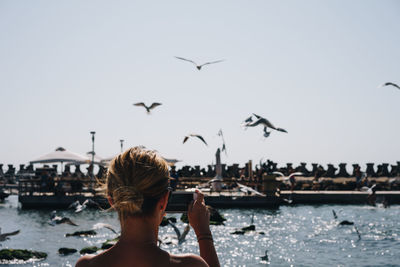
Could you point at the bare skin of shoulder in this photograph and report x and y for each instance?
(140, 256)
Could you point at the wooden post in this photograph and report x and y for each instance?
(218, 166)
(250, 166)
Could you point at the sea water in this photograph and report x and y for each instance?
(290, 236)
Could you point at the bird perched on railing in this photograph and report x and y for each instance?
(197, 65)
(148, 108)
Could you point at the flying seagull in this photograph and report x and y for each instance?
(223, 141)
(181, 237)
(334, 214)
(284, 178)
(58, 220)
(370, 190)
(5, 236)
(392, 84)
(247, 189)
(199, 66)
(141, 104)
(104, 225)
(88, 203)
(265, 122)
(195, 135)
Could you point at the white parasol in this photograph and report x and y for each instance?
(61, 155)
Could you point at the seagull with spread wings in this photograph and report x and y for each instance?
(284, 178)
(249, 190)
(180, 236)
(5, 236)
(104, 225)
(55, 219)
(265, 122)
(390, 84)
(195, 135)
(197, 65)
(148, 108)
(223, 141)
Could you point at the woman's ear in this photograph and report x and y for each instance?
(110, 201)
(164, 201)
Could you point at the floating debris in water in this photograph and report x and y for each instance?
(245, 229)
(109, 243)
(66, 251)
(21, 254)
(89, 250)
(82, 233)
(345, 222)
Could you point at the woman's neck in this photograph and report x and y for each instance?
(139, 230)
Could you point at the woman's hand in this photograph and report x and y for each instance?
(199, 216)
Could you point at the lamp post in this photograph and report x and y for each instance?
(122, 145)
(92, 169)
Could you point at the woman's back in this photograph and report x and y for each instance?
(143, 256)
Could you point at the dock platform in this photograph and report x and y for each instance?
(231, 199)
(338, 197)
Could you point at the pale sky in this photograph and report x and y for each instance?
(311, 67)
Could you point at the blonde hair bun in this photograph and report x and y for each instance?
(136, 180)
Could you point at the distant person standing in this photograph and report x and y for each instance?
(318, 174)
(173, 174)
(357, 174)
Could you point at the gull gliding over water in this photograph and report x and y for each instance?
(197, 65)
(392, 84)
(58, 220)
(195, 135)
(148, 108)
(180, 237)
(104, 225)
(5, 236)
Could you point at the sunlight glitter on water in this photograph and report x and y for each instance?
(293, 235)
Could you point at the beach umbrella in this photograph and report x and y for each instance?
(97, 159)
(61, 155)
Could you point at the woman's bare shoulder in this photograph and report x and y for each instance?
(84, 261)
(188, 260)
